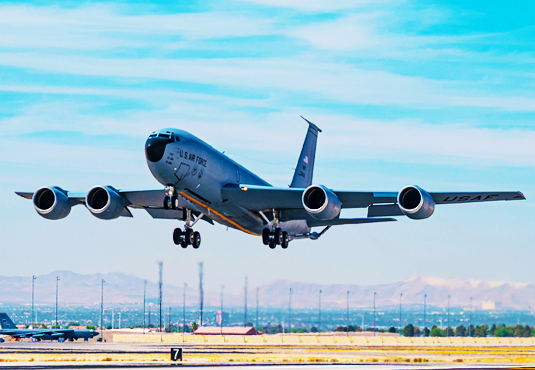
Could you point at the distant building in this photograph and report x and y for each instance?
(226, 330)
(218, 316)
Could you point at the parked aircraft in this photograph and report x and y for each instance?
(201, 183)
(9, 328)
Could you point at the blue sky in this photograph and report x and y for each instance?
(439, 94)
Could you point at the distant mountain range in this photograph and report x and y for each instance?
(121, 288)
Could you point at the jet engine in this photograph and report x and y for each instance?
(51, 203)
(104, 202)
(415, 202)
(321, 203)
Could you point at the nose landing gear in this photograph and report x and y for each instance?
(277, 237)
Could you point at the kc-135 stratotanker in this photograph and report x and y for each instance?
(202, 183)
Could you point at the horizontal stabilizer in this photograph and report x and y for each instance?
(348, 221)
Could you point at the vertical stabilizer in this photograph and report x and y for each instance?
(305, 165)
(5, 322)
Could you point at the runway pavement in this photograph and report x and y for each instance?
(142, 365)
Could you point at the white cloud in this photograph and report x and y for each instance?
(102, 27)
(317, 5)
(305, 75)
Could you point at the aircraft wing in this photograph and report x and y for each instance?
(259, 198)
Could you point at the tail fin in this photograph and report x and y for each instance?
(5, 322)
(305, 164)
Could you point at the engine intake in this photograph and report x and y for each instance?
(415, 202)
(104, 202)
(321, 203)
(51, 203)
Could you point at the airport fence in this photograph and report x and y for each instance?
(320, 339)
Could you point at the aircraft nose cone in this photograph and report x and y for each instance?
(155, 148)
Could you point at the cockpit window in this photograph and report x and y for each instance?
(177, 139)
(167, 136)
(152, 135)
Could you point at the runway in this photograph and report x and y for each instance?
(54, 355)
(143, 365)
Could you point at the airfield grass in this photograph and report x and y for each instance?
(288, 355)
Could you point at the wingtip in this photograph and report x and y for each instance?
(23, 194)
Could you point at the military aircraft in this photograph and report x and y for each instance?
(10, 329)
(202, 183)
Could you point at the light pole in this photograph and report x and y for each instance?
(374, 294)
(57, 285)
(160, 270)
(169, 319)
(184, 312)
(102, 307)
(448, 330)
(257, 308)
(33, 320)
(221, 322)
(319, 313)
(425, 322)
(400, 296)
(347, 313)
(469, 330)
(144, 302)
(290, 313)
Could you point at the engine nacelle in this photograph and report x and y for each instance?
(415, 202)
(104, 202)
(321, 203)
(51, 203)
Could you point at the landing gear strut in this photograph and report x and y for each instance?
(188, 236)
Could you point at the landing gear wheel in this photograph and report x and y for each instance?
(189, 236)
(196, 239)
(184, 244)
(166, 202)
(266, 236)
(173, 201)
(278, 236)
(272, 244)
(177, 236)
(285, 240)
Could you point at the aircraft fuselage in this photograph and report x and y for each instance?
(198, 172)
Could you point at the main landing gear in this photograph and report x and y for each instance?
(274, 238)
(188, 237)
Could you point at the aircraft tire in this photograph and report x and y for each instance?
(278, 236)
(188, 236)
(272, 244)
(166, 202)
(196, 240)
(285, 240)
(173, 201)
(266, 236)
(177, 236)
(184, 244)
